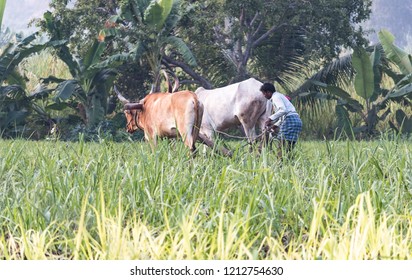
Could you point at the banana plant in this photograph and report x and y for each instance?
(398, 56)
(15, 103)
(87, 91)
(403, 81)
(151, 27)
(367, 83)
(369, 67)
(92, 77)
(2, 8)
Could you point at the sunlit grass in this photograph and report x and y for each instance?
(40, 66)
(337, 200)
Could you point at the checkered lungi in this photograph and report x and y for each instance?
(290, 128)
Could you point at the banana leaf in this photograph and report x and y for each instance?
(401, 58)
(157, 12)
(183, 49)
(2, 8)
(364, 78)
(66, 89)
(353, 104)
(404, 91)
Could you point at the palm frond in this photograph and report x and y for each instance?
(339, 73)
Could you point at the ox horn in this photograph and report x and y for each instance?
(169, 86)
(152, 88)
(168, 83)
(121, 97)
(133, 106)
(177, 84)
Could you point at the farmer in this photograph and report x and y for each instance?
(285, 121)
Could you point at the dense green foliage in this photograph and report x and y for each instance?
(230, 39)
(336, 200)
(82, 22)
(15, 102)
(268, 39)
(367, 72)
(87, 90)
(148, 28)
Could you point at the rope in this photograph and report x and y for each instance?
(241, 137)
(237, 137)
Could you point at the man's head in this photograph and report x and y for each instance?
(268, 89)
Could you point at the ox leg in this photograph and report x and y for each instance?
(267, 137)
(189, 142)
(262, 140)
(250, 119)
(208, 142)
(265, 141)
(192, 146)
(248, 124)
(151, 139)
(250, 134)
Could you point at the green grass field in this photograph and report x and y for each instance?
(336, 200)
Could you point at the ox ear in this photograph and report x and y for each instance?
(121, 97)
(133, 106)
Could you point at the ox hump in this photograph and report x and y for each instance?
(200, 89)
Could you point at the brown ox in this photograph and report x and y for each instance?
(165, 115)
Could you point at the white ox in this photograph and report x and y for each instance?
(237, 104)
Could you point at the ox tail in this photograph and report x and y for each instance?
(194, 127)
(189, 124)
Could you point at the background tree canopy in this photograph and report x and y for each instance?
(267, 38)
(231, 40)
